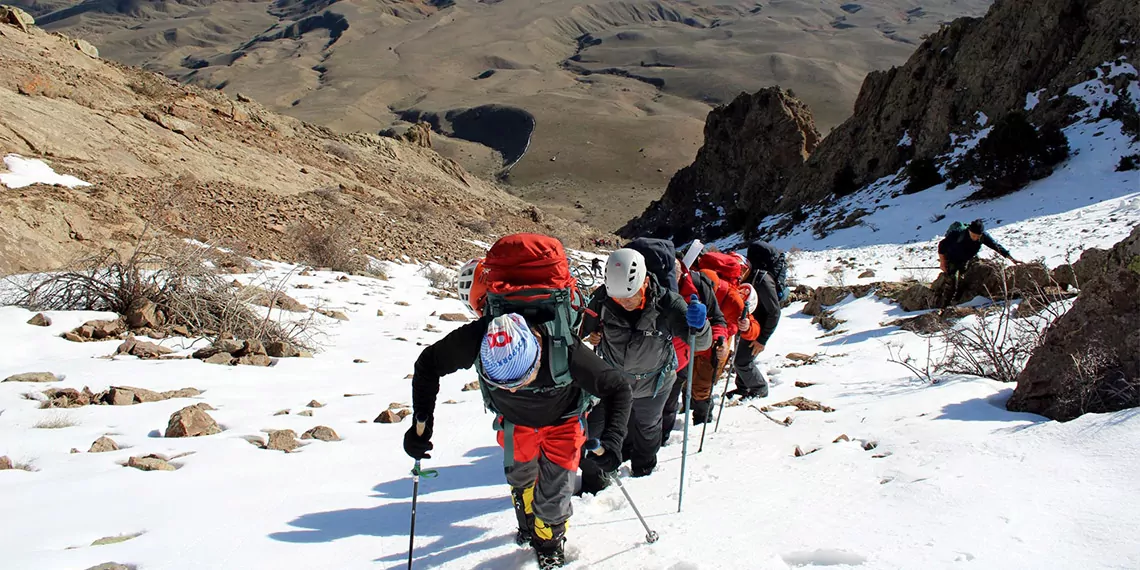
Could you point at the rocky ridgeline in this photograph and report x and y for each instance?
(755, 160)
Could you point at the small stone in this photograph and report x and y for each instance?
(454, 317)
(120, 396)
(802, 384)
(359, 361)
(281, 413)
(342, 278)
(379, 313)
(144, 350)
(800, 453)
(74, 451)
(867, 274)
(255, 440)
(205, 407)
(142, 313)
(73, 336)
(103, 444)
(179, 330)
(304, 354)
(251, 348)
(191, 422)
(278, 349)
(149, 463)
(323, 433)
(306, 413)
(220, 358)
(86, 48)
(470, 386)
(869, 445)
(451, 402)
(39, 377)
(388, 417)
(40, 320)
(842, 437)
(282, 440)
(396, 406)
(403, 304)
(799, 356)
(881, 455)
(315, 404)
(112, 566)
(354, 395)
(409, 376)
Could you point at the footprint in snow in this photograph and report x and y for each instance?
(823, 557)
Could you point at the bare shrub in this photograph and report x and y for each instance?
(56, 421)
(999, 343)
(173, 275)
(479, 226)
(342, 151)
(332, 246)
(837, 276)
(438, 277)
(924, 371)
(1097, 383)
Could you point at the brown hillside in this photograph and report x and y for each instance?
(202, 166)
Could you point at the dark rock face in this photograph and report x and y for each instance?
(972, 65)
(1090, 359)
(750, 146)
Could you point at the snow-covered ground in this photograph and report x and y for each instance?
(953, 480)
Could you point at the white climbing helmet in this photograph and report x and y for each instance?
(750, 299)
(466, 280)
(625, 272)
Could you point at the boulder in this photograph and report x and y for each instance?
(1088, 361)
(68, 398)
(102, 445)
(279, 349)
(73, 336)
(281, 413)
(220, 358)
(272, 299)
(454, 317)
(106, 329)
(86, 48)
(282, 440)
(5, 463)
(16, 17)
(315, 404)
(150, 463)
(191, 422)
(917, 297)
(867, 274)
(120, 397)
(144, 350)
(222, 345)
(250, 348)
(142, 313)
(827, 321)
(322, 433)
(255, 360)
(33, 377)
(40, 320)
(306, 413)
(388, 417)
(924, 324)
(994, 280)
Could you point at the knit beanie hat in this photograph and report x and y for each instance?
(509, 351)
(977, 227)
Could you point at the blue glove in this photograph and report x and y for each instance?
(696, 313)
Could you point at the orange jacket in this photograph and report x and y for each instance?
(732, 305)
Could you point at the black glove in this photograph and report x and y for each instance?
(607, 462)
(417, 446)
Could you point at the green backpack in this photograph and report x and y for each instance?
(956, 229)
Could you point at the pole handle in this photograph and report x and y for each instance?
(593, 445)
(421, 425)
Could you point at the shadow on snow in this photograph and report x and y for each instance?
(440, 520)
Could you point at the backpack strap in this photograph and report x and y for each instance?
(508, 429)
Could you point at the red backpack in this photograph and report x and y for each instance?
(529, 274)
(724, 265)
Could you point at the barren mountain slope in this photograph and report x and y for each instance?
(203, 166)
(618, 89)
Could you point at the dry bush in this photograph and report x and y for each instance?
(999, 343)
(1097, 384)
(342, 151)
(333, 246)
(924, 371)
(479, 226)
(836, 276)
(56, 421)
(438, 276)
(173, 275)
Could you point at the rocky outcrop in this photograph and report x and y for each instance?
(1090, 358)
(972, 65)
(750, 146)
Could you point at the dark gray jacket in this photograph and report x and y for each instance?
(640, 343)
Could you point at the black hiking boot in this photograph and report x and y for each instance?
(524, 537)
(551, 555)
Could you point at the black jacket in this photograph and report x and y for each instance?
(533, 408)
(762, 256)
(640, 343)
(958, 248)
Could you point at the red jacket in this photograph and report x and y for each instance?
(687, 289)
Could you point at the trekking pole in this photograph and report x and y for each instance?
(688, 397)
(594, 446)
(935, 267)
(727, 380)
(421, 425)
(705, 424)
